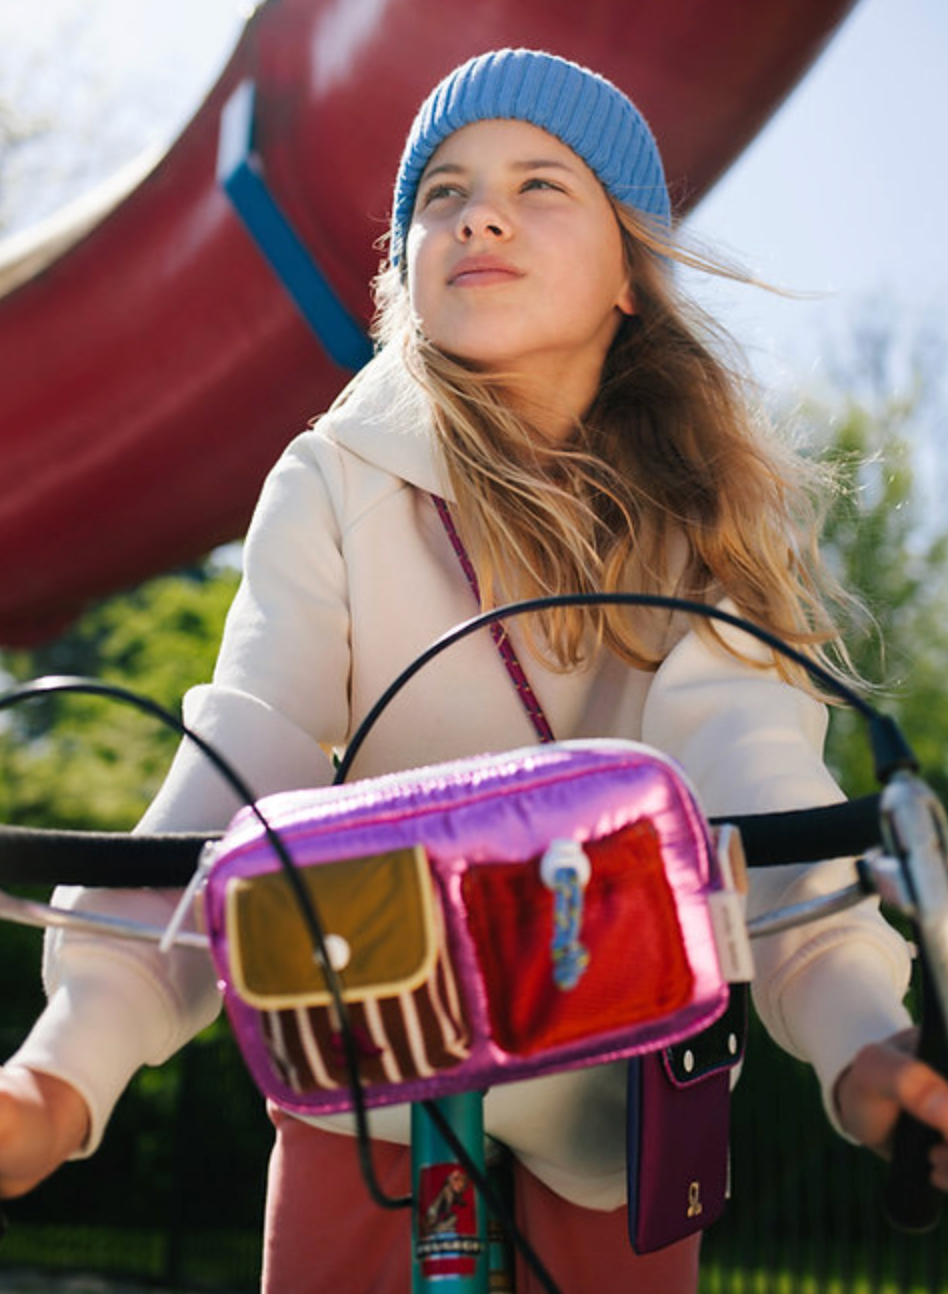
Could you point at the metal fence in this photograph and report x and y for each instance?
(806, 1215)
(175, 1196)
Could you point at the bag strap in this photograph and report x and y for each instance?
(498, 631)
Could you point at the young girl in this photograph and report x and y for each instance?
(542, 416)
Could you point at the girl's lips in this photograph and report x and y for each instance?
(484, 271)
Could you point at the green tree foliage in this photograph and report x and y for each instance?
(885, 542)
(90, 763)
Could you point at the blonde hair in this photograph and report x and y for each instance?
(670, 484)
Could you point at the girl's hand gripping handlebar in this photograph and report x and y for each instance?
(914, 876)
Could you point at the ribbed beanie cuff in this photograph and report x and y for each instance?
(581, 108)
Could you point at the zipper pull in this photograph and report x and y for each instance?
(565, 869)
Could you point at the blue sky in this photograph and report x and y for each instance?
(844, 193)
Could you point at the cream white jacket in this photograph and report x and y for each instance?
(348, 576)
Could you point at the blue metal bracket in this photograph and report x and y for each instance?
(240, 174)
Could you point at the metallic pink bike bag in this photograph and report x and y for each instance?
(490, 919)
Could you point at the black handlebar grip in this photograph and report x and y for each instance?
(909, 1200)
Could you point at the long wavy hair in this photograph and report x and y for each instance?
(671, 483)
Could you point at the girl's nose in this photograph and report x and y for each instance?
(482, 219)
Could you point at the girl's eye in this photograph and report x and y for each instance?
(438, 192)
(537, 182)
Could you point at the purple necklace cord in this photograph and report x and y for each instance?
(498, 631)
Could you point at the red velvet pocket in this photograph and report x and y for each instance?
(638, 969)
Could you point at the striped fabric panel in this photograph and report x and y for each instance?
(406, 1036)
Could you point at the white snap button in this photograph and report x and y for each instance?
(338, 951)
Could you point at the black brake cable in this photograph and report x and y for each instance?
(890, 750)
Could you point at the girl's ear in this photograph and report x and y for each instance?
(626, 301)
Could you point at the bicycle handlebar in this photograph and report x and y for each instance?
(113, 860)
(100, 859)
(119, 860)
(42, 857)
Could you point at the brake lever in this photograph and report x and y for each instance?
(909, 1200)
(915, 834)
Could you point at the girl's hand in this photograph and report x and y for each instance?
(43, 1120)
(884, 1079)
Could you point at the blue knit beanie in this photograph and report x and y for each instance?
(581, 108)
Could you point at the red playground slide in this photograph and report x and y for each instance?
(152, 371)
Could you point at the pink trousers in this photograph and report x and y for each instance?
(324, 1235)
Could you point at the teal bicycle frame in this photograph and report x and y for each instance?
(450, 1244)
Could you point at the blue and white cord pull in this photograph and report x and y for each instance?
(565, 869)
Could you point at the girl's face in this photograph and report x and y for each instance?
(515, 261)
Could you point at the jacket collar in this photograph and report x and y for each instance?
(384, 418)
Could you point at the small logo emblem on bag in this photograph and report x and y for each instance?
(695, 1207)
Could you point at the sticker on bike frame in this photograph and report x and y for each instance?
(450, 1238)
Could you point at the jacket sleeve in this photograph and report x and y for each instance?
(751, 743)
(278, 699)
